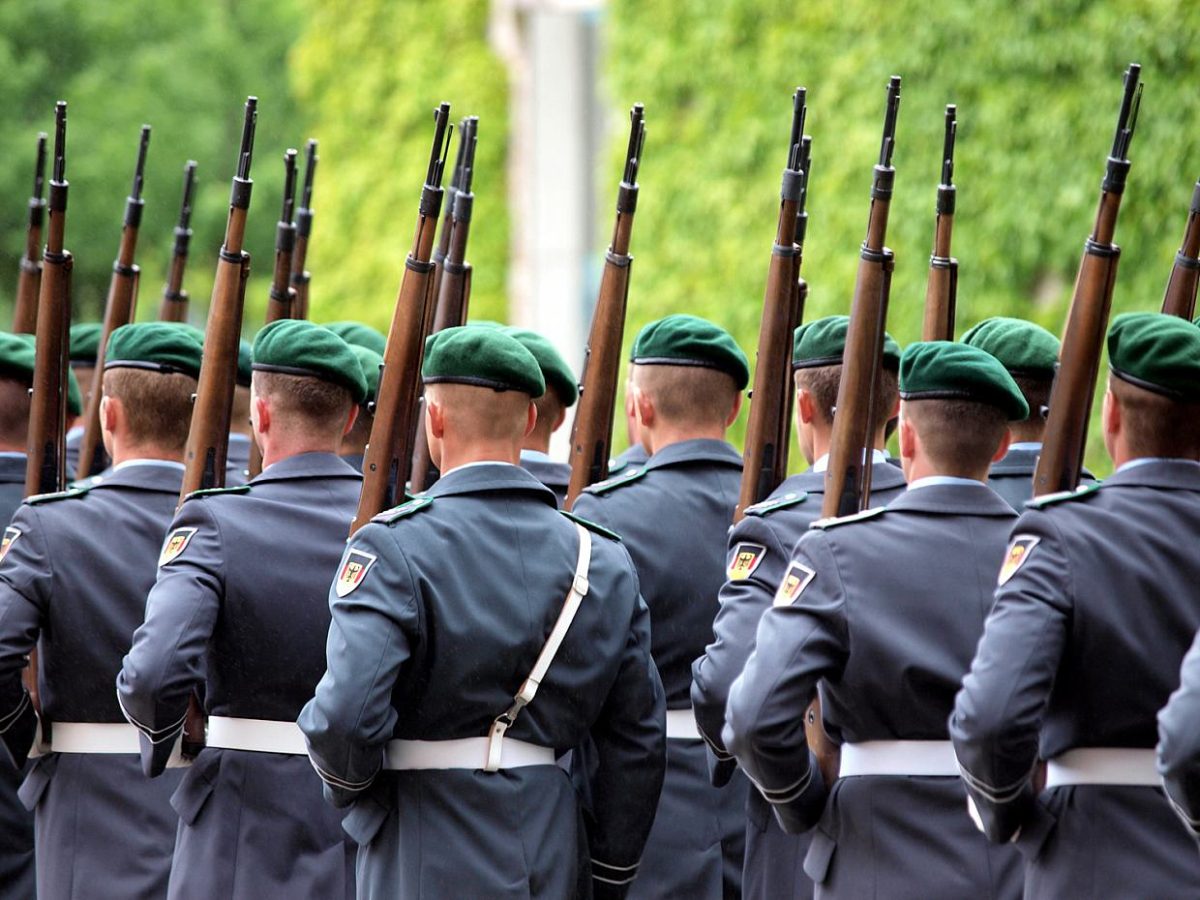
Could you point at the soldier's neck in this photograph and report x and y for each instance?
(478, 451)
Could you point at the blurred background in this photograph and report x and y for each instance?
(1037, 86)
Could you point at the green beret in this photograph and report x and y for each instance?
(823, 341)
(1156, 352)
(245, 369)
(370, 362)
(158, 346)
(74, 395)
(356, 333)
(486, 323)
(554, 368)
(683, 340)
(486, 357)
(946, 370)
(85, 343)
(16, 356)
(298, 347)
(1022, 347)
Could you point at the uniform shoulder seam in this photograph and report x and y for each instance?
(763, 507)
(54, 496)
(1084, 490)
(603, 487)
(591, 526)
(835, 521)
(213, 492)
(396, 513)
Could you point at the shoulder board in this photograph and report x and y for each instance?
(388, 516)
(212, 492)
(773, 503)
(616, 466)
(1062, 496)
(603, 487)
(591, 526)
(39, 499)
(835, 521)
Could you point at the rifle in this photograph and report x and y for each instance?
(281, 302)
(1180, 298)
(45, 468)
(174, 306)
(1061, 459)
(30, 279)
(941, 293)
(389, 449)
(454, 285)
(767, 433)
(442, 250)
(208, 435)
(848, 478)
(118, 310)
(304, 219)
(591, 432)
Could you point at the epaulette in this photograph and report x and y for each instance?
(591, 526)
(39, 499)
(388, 516)
(212, 492)
(603, 487)
(616, 466)
(1062, 496)
(773, 503)
(835, 521)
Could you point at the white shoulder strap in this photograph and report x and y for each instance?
(579, 589)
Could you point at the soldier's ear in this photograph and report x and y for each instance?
(909, 441)
(1002, 449)
(110, 412)
(644, 407)
(805, 406)
(530, 419)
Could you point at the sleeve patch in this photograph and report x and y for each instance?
(745, 558)
(1018, 551)
(175, 544)
(353, 571)
(10, 536)
(798, 577)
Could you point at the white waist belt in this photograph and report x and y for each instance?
(681, 725)
(94, 737)
(1103, 765)
(898, 758)
(256, 735)
(464, 753)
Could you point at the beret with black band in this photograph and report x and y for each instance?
(17, 360)
(371, 363)
(946, 370)
(554, 368)
(1158, 353)
(683, 340)
(298, 347)
(156, 346)
(484, 357)
(84, 343)
(1022, 347)
(822, 342)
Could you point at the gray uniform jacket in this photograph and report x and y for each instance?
(1179, 743)
(76, 572)
(759, 550)
(633, 455)
(554, 475)
(674, 514)
(1012, 476)
(237, 458)
(240, 598)
(883, 610)
(455, 595)
(1096, 609)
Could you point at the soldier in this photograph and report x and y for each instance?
(354, 444)
(1094, 611)
(888, 644)
(1179, 743)
(674, 513)
(458, 597)
(239, 608)
(562, 391)
(759, 549)
(76, 569)
(237, 457)
(83, 345)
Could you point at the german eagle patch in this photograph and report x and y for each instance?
(10, 535)
(1018, 551)
(798, 577)
(354, 570)
(745, 559)
(176, 543)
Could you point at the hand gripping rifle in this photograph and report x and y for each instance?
(941, 293)
(118, 310)
(30, 279)
(591, 432)
(1180, 299)
(389, 451)
(1061, 460)
(304, 220)
(174, 305)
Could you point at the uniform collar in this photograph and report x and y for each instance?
(1179, 474)
(971, 498)
(12, 468)
(695, 450)
(822, 462)
(143, 475)
(884, 477)
(475, 478)
(1021, 459)
(307, 465)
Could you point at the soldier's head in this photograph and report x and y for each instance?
(480, 391)
(1152, 406)
(355, 442)
(687, 380)
(150, 373)
(817, 349)
(16, 377)
(1030, 354)
(239, 417)
(562, 390)
(956, 405)
(83, 345)
(305, 392)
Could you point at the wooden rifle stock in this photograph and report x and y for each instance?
(591, 432)
(119, 310)
(1061, 459)
(1180, 298)
(208, 436)
(304, 219)
(941, 293)
(174, 305)
(29, 280)
(389, 451)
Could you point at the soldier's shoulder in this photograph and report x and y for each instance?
(71, 493)
(838, 521)
(1047, 500)
(591, 526)
(774, 504)
(408, 508)
(217, 492)
(627, 477)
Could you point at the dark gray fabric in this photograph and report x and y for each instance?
(633, 455)
(237, 459)
(554, 475)
(1012, 477)
(1179, 742)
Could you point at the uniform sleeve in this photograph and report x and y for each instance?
(25, 581)
(743, 599)
(373, 628)
(801, 639)
(1179, 743)
(165, 663)
(630, 748)
(998, 712)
